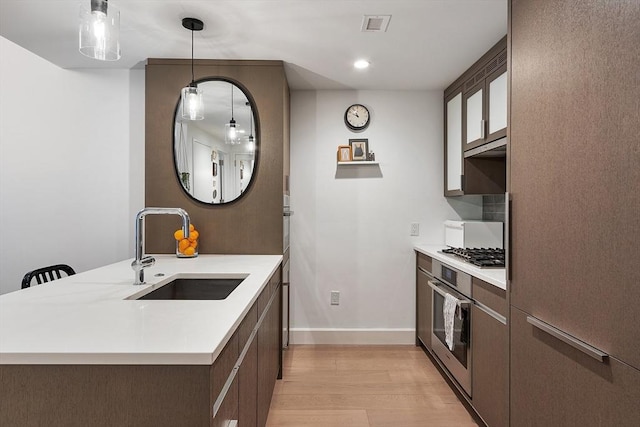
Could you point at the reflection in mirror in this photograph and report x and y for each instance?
(213, 165)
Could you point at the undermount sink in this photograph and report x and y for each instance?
(194, 289)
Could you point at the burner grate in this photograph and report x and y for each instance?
(481, 257)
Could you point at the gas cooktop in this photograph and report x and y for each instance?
(480, 257)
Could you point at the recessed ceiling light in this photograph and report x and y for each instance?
(361, 64)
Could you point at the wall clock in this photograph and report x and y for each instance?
(357, 117)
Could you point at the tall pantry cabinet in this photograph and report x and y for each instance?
(575, 212)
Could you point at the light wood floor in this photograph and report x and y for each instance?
(363, 386)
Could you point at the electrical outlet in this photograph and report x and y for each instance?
(415, 229)
(335, 297)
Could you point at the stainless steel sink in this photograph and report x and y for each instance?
(194, 289)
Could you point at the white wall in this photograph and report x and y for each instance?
(350, 231)
(71, 164)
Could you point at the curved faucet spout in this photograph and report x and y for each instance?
(141, 262)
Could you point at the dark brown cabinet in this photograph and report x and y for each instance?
(489, 337)
(248, 372)
(554, 384)
(475, 114)
(424, 302)
(453, 142)
(574, 175)
(484, 103)
(269, 352)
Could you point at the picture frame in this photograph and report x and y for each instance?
(359, 149)
(344, 153)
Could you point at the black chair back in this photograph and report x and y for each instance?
(47, 274)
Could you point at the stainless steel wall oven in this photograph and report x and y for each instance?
(457, 360)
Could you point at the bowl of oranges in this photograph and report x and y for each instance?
(187, 247)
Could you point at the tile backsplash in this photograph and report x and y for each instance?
(493, 208)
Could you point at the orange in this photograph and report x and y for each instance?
(178, 235)
(189, 251)
(191, 227)
(184, 244)
(193, 244)
(193, 236)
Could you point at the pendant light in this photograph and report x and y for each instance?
(100, 31)
(231, 132)
(251, 139)
(192, 104)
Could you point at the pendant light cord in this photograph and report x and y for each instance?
(231, 102)
(192, 75)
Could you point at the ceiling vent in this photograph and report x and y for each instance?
(375, 23)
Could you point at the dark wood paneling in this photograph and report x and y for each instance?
(424, 261)
(248, 388)
(247, 326)
(489, 295)
(269, 356)
(423, 310)
(221, 369)
(490, 369)
(251, 225)
(229, 409)
(485, 175)
(575, 156)
(97, 395)
(553, 384)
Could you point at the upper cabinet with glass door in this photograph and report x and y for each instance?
(485, 103)
(215, 158)
(475, 111)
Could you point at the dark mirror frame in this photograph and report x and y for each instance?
(257, 136)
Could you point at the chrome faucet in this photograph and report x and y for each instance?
(141, 262)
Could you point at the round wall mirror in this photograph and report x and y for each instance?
(215, 158)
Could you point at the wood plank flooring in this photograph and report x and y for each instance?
(363, 386)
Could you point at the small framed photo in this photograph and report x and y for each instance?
(359, 149)
(344, 153)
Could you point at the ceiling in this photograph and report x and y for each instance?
(428, 43)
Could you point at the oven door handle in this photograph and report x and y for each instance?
(442, 292)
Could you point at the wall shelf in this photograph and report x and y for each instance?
(359, 162)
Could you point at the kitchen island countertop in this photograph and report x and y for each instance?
(91, 318)
(494, 276)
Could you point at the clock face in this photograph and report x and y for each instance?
(357, 117)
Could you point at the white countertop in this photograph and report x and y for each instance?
(87, 318)
(494, 276)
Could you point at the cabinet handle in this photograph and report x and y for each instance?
(568, 339)
(483, 129)
(507, 240)
(437, 289)
(489, 312)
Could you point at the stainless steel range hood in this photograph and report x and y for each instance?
(497, 148)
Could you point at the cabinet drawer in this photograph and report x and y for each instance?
(424, 262)
(490, 296)
(223, 366)
(228, 411)
(247, 326)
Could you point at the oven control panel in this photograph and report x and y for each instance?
(457, 279)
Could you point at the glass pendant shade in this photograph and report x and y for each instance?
(100, 31)
(192, 104)
(231, 133)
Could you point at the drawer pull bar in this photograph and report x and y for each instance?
(568, 339)
(499, 317)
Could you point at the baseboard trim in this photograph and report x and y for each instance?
(353, 336)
